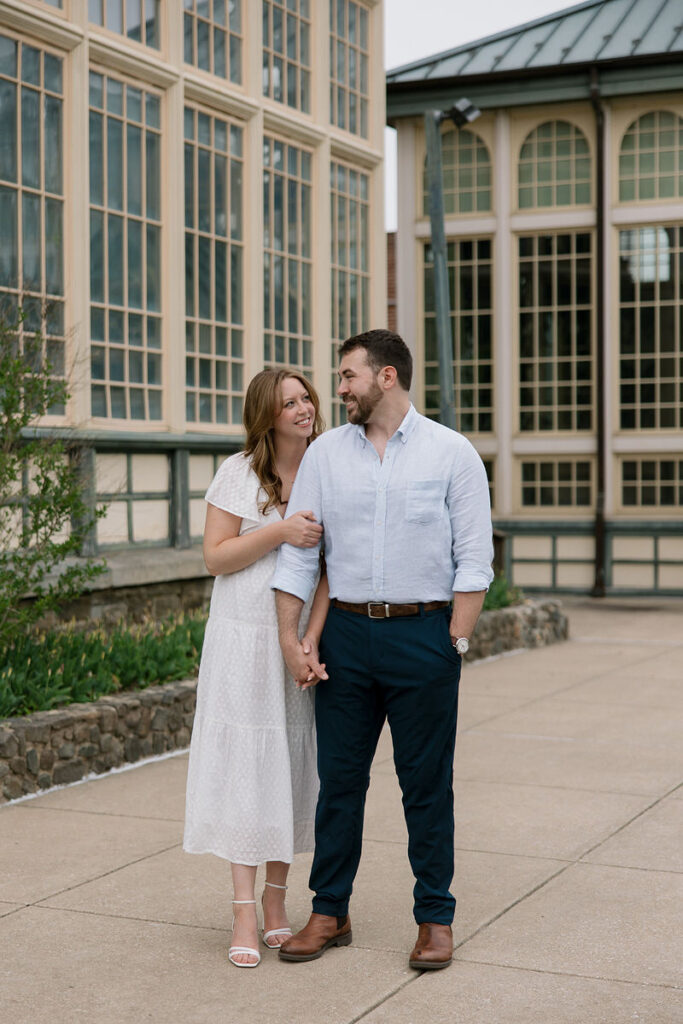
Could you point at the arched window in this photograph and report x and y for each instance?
(651, 158)
(554, 166)
(466, 164)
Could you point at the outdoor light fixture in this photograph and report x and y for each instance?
(462, 112)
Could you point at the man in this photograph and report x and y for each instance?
(407, 528)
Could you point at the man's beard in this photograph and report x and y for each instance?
(364, 405)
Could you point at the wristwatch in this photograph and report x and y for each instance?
(462, 645)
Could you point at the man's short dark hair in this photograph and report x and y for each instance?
(383, 348)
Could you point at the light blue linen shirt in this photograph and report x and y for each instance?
(414, 526)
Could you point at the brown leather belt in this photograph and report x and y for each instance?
(379, 610)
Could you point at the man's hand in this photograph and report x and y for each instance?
(302, 661)
(309, 647)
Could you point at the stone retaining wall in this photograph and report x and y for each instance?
(51, 748)
(529, 624)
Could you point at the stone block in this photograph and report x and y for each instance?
(94, 734)
(44, 780)
(160, 720)
(37, 732)
(4, 769)
(87, 750)
(12, 788)
(8, 744)
(183, 737)
(70, 771)
(132, 749)
(174, 719)
(47, 759)
(108, 718)
(158, 744)
(28, 785)
(18, 765)
(81, 732)
(146, 746)
(66, 751)
(32, 761)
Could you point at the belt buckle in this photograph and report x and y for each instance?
(378, 604)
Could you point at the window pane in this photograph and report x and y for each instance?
(114, 164)
(54, 283)
(96, 256)
(30, 137)
(153, 178)
(153, 268)
(9, 243)
(8, 130)
(115, 255)
(134, 158)
(31, 248)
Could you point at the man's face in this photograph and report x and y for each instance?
(358, 387)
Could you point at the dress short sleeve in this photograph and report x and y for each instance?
(235, 488)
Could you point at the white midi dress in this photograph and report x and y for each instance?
(252, 781)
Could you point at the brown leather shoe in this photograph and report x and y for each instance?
(433, 949)
(320, 933)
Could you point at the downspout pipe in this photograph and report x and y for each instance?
(600, 353)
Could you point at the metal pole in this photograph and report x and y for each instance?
(600, 341)
(444, 338)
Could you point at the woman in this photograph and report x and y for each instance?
(252, 781)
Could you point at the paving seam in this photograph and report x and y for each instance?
(105, 874)
(635, 817)
(561, 871)
(126, 917)
(572, 974)
(103, 814)
(515, 903)
(562, 789)
(496, 853)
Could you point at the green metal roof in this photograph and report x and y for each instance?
(595, 32)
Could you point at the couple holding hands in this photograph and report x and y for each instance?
(306, 657)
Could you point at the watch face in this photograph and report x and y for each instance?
(462, 645)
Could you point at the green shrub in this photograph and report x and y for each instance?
(501, 594)
(47, 670)
(45, 517)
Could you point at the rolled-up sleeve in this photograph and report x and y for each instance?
(470, 513)
(297, 568)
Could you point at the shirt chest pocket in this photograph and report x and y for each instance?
(424, 501)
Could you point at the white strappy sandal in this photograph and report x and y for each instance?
(275, 931)
(243, 949)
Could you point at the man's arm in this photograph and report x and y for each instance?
(466, 608)
(469, 508)
(297, 568)
(305, 668)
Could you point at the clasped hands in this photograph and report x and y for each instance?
(303, 661)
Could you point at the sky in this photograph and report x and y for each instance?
(443, 25)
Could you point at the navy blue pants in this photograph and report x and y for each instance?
(406, 671)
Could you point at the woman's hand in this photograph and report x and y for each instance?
(301, 530)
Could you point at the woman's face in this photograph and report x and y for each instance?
(297, 416)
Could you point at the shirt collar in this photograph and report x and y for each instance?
(404, 429)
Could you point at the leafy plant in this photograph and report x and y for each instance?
(501, 594)
(44, 517)
(46, 670)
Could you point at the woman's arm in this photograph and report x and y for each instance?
(321, 603)
(225, 551)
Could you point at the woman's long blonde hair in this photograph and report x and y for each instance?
(262, 405)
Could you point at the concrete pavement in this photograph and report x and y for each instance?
(569, 868)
